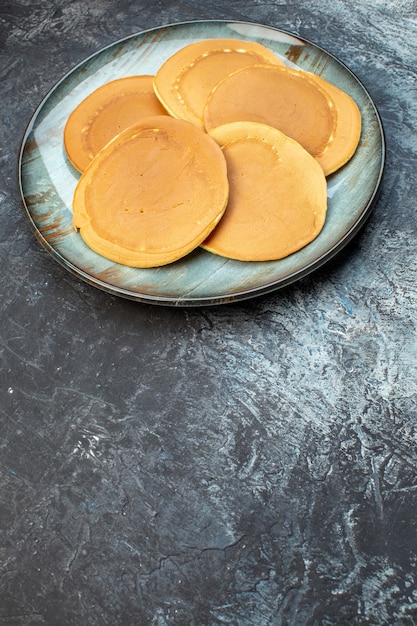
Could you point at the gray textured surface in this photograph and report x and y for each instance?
(252, 464)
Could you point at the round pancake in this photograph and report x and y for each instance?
(281, 97)
(277, 197)
(152, 194)
(105, 113)
(184, 82)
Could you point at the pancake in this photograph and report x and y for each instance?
(106, 112)
(184, 82)
(281, 97)
(277, 198)
(152, 194)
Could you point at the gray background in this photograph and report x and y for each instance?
(249, 464)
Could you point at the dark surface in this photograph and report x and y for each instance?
(251, 464)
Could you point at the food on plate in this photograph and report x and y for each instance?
(277, 96)
(305, 106)
(152, 194)
(277, 195)
(185, 80)
(225, 147)
(105, 113)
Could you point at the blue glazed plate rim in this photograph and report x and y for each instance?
(110, 281)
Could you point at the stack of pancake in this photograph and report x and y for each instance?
(225, 148)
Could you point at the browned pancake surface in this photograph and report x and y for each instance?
(105, 113)
(152, 194)
(278, 196)
(277, 96)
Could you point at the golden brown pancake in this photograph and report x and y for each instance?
(152, 194)
(277, 96)
(277, 199)
(106, 112)
(184, 82)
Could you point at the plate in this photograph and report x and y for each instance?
(47, 179)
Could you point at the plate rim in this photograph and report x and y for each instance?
(213, 300)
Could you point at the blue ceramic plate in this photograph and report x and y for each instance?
(47, 179)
